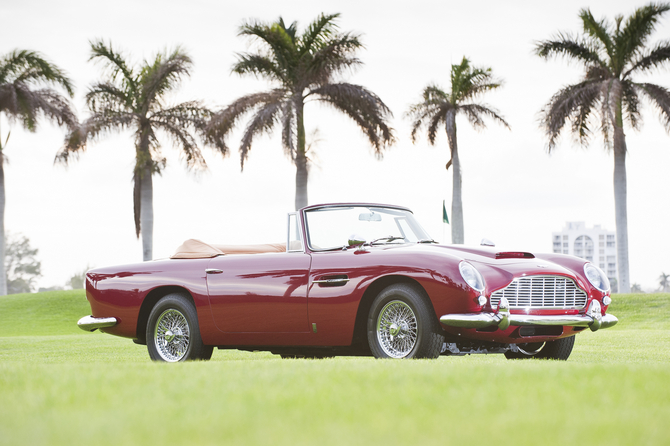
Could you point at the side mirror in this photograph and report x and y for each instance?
(356, 240)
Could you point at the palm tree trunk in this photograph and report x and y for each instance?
(147, 213)
(300, 158)
(3, 272)
(620, 189)
(621, 208)
(457, 230)
(144, 167)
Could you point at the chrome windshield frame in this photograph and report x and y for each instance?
(307, 236)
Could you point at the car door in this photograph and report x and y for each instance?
(259, 293)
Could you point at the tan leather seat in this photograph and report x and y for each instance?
(196, 249)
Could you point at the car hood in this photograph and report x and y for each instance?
(501, 267)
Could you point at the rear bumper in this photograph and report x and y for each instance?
(593, 319)
(90, 323)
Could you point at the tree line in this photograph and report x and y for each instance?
(308, 66)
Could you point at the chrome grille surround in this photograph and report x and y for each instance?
(548, 292)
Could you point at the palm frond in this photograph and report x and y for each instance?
(223, 122)
(105, 95)
(648, 60)
(479, 88)
(176, 121)
(638, 27)
(93, 128)
(474, 113)
(263, 121)
(317, 34)
(163, 75)
(574, 100)
(331, 59)
(364, 107)
(279, 42)
(183, 140)
(419, 113)
(598, 30)
(29, 67)
(19, 102)
(430, 113)
(444, 115)
(259, 65)
(115, 63)
(567, 46)
(53, 106)
(631, 105)
(660, 97)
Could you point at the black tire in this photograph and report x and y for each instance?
(173, 332)
(559, 349)
(402, 324)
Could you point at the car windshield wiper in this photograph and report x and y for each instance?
(390, 238)
(427, 240)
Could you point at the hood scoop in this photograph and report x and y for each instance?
(514, 255)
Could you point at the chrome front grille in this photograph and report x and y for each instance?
(541, 292)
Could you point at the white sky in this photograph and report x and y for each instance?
(513, 192)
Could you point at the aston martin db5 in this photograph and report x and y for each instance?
(351, 279)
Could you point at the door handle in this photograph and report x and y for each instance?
(213, 271)
(333, 281)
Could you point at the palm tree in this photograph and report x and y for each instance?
(301, 68)
(134, 98)
(607, 96)
(25, 97)
(440, 108)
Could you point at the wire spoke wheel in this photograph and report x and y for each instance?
(397, 329)
(172, 335)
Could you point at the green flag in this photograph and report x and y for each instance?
(445, 219)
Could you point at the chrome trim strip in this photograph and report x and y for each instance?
(503, 319)
(90, 323)
(332, 281)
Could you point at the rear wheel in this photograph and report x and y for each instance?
(173, 333)
(402, 324)
(559, 349)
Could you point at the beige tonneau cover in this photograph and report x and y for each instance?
(196, 249)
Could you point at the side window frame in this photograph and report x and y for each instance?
(298, 233)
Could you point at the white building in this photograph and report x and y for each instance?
(597, 245)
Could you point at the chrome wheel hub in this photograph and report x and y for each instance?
(397, 329)
(172, 335)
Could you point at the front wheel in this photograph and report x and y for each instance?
(402, 324)
(173, 333)
(559, 349)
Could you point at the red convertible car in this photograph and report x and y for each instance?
(351, 279)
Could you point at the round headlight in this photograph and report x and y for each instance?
(597, 277)
(472, 276)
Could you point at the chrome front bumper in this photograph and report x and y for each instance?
(593, 318)
(90, 323)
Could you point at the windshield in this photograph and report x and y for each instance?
(334, 227)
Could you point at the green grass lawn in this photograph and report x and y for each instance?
(59, 385)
